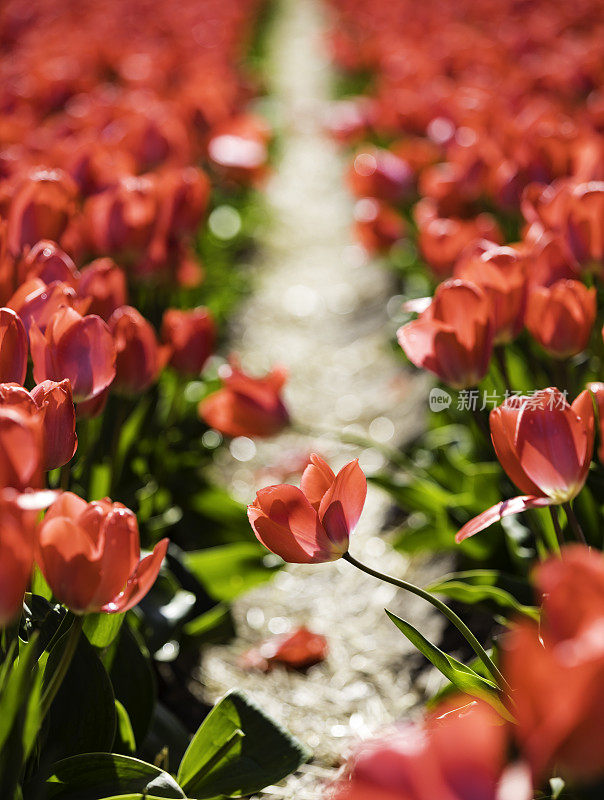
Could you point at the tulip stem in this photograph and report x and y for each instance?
(73, 636)
(503, 368)
(444, 609)
(574, 523)
(559, 535)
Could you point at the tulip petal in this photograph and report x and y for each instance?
(280, 540)
(69, 561)
(121, 553)
(287, 508)
(343, 502)
(316, 480)
(503, 421)
(497, 512)
(140, 581)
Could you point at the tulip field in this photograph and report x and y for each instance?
(272, 271)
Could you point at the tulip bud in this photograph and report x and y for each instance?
(190, 335)
(105, 283)
(58, 418)
(74, 347)
(246, 406)
(138, 355)
(34, 301)
(583, 224)
(41, 208)
(89, 554)
(442, 240)
(13, 347)
(560, 317)
(312, 524)
(453, 338)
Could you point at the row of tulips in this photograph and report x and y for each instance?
(477, 174)
(126, 136)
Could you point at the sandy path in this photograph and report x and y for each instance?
(319, 308)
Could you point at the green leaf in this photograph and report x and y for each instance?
(238, 750)
(228, 571)
(131, 674)
(101, 629)
(125, 741)
(462, 677)
(214, 626)
(478, 586)
(82, 717)
(96, 776)
(20, 720)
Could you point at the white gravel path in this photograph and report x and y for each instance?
(321, 309)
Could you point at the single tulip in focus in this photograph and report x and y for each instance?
(13, 347)
(545, 445)
(453, 337)
(556, 670)
(246, 406)
(458, 755)
(561, 317)
(139, 358)
(89, 554)
(55, 403)
(312, 524)
(190, 336)
(500, 273)
(74, 347)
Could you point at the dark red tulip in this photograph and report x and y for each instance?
(190, 336)
(312, 524)
(105, 284)
(246, 406)
(74, 347)
(139, 358)
(453, 338)
(89, 554)
(13, 347)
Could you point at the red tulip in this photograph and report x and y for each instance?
(556, 670)
(58, 418)
(597, 390)
(13, 347)
(89, 554)
(139, 358)
(238, 148)
(35, 301)
(21, 447)
(545, 445)
(74, 347)
(583, 224)
(17, 542)
(459, 755)
(246, 406)
(190, 335)
(500, 273)
(49, 263)
(453, 338)
(311, 524)
(376, 172)
(377, 226)
(560, 317)
(41, 208)
(105, 283)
